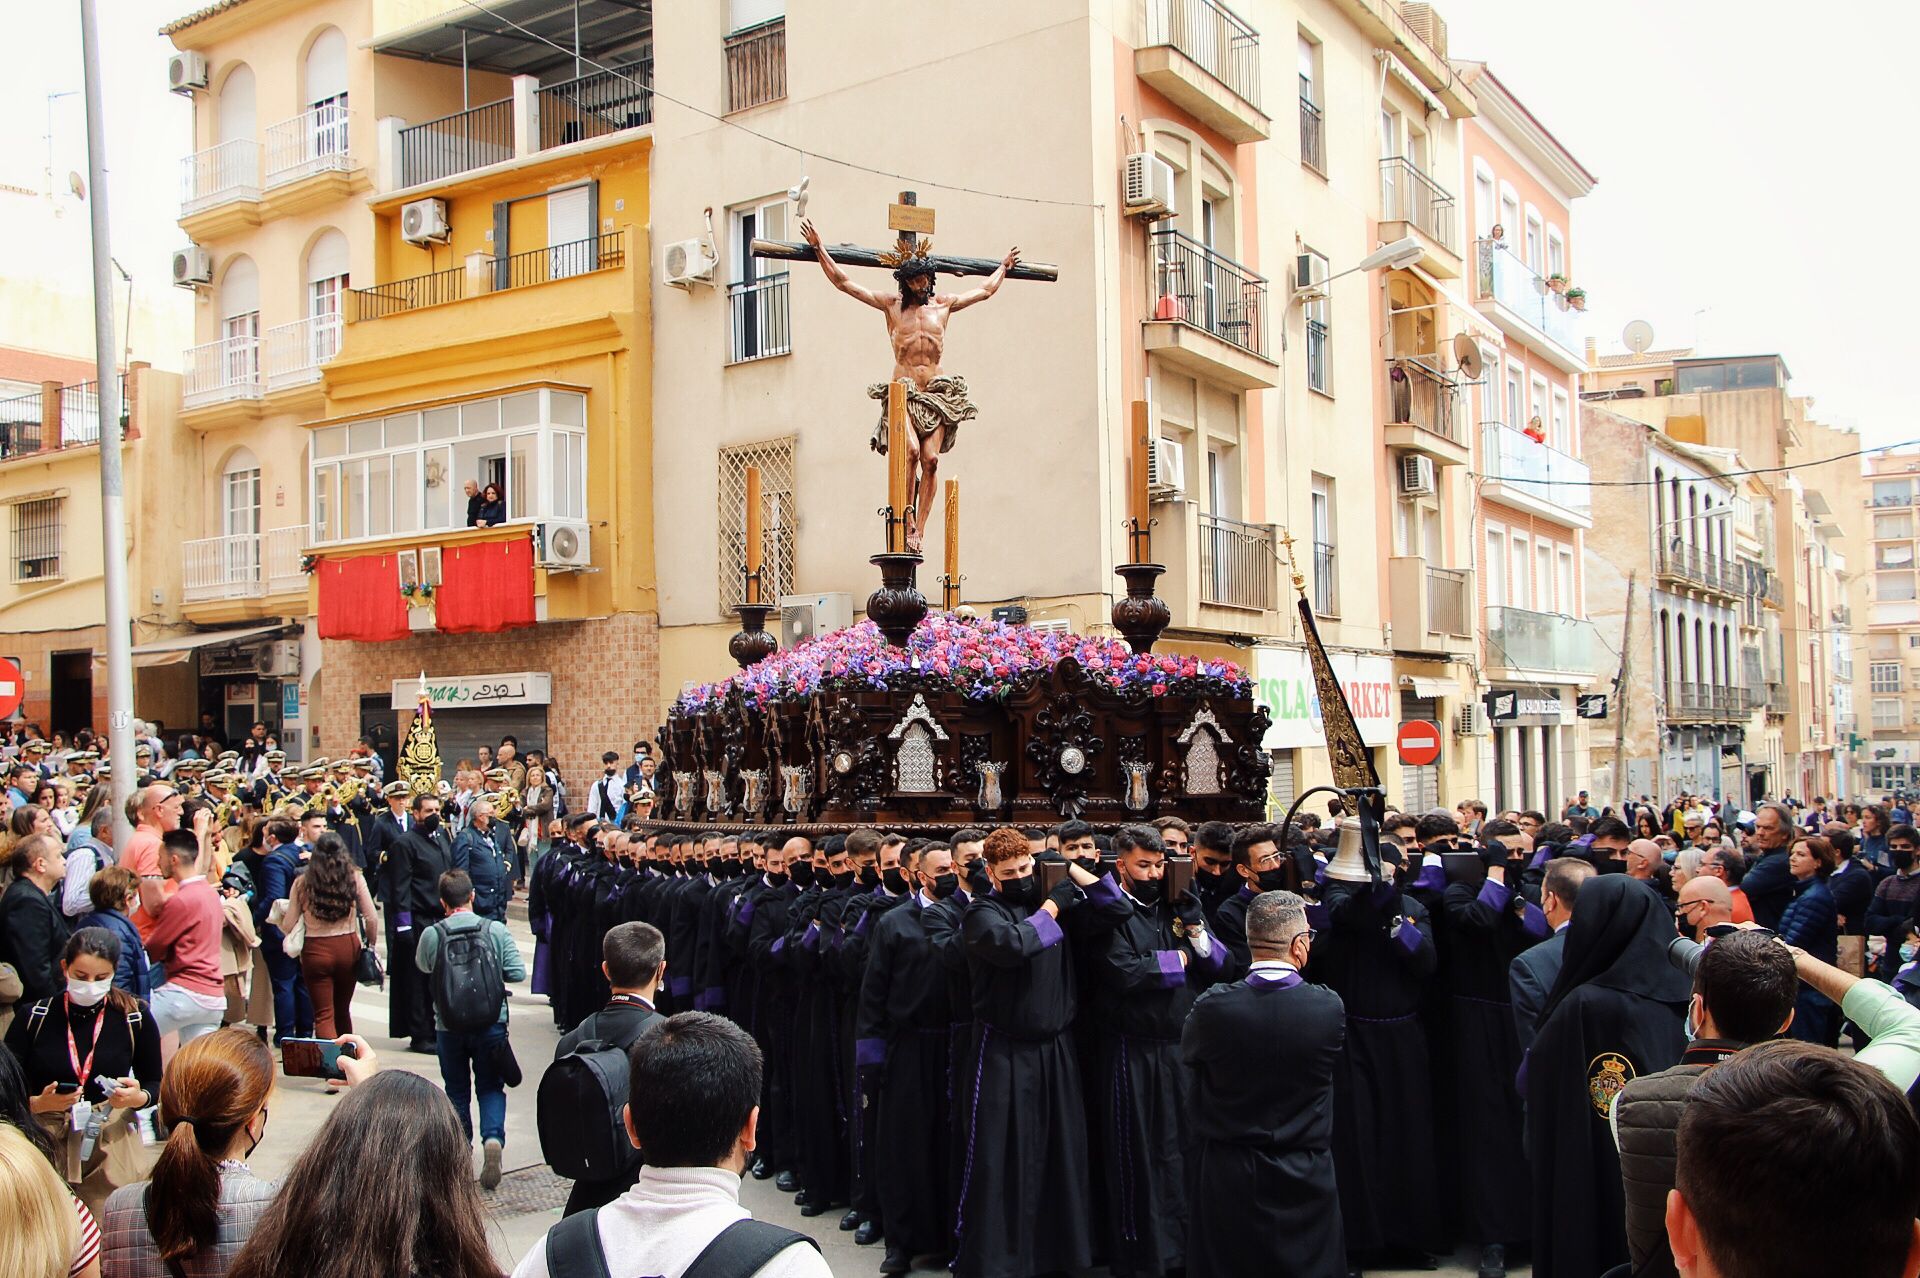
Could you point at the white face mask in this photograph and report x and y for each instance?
(88, 993)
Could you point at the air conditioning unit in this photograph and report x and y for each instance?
(186, 72)
(688, 262)
(1166, 467)
(1416, 475)
(564, 546)
(1149, 186)
(192, 266)
(279, 660)
(804, 616)
(1468, 724)
(425, 222)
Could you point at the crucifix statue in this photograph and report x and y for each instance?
(917, 326)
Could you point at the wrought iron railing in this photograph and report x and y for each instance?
(1449, 602)
(1420, 394)
(1326, 584)
(1198, 286)
(1313, 129)
(20, 421)
(757, 65)
(1217, 39)
(409, 294)
(1408, 195)
(761, 325)
(560, 261)
(597, 104)
(1237, 563)
(469, 139)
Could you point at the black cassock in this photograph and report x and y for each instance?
(1142, 993)
(902, 1029)
(765, 915)
(1262, 1056)
(1025, 1197)
(1375, 950)
(1615, 1013)
(847, 968)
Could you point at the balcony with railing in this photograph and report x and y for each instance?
(1412, 203)
(223, 178)
(456, 143)
(1522, 640)
(1222, 575)
(310, 158)
(1206, 58)
(1683, 564)
(1431, 608)
(1423, 410)
(54, 418)
(1526, 308)
(596, 104)
(1236, 563)
(222, 372)
(760, 325)
(757, 65)
(1535, 476)
(1313, 129)
(1208, 314)
(295, 352)
(483, 275)
(243, 566)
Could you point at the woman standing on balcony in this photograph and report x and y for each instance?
(492, 511)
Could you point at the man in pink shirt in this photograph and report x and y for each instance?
(185, 938)
(159, 812)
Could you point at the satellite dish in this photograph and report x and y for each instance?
(1466, 353)
(1638, 336)
(77, 185)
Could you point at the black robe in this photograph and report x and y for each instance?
(847, 966)
(1024, 1198)
(942, 922)
(774, 995)
(1262, 1060)
(1615, 1013)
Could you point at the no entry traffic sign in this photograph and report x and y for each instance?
(1419, 742)
(13, 687)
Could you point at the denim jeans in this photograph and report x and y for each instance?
(462, 1055)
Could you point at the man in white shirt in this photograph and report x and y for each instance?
(692, 1110)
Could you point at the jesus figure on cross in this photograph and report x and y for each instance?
(917, 326)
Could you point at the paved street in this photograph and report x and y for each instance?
(529, 1198)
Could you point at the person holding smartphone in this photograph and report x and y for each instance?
(90, 1055)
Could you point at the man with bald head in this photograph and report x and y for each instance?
(157, 810)
(1704, 901)
(1644, 862)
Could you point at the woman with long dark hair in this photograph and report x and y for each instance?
(332, 897)
(345, 1210)
(196, 1213)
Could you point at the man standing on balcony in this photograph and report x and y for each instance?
(917, 326)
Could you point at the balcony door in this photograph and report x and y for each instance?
(326, 93)
(240, 519)
(240, 323)
(570, 235)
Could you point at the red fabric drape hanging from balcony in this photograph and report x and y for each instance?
(485, 587)
(360, 598)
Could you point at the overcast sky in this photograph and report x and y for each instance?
(1746, 201)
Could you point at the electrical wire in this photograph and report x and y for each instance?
(1726, 474)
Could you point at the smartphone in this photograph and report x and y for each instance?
(65, 1089)
(1179, 875)
(314, 1058)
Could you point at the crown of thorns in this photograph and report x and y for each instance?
(910, 262)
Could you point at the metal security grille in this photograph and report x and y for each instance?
(36, 539)
(1281, 787)
(775, 460)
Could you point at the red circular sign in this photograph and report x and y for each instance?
(13, 687)
(1419, 742)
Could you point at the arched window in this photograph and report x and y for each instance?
(325, 78)
(326, 290)
(1659, 501)
(235, 118)
(1666, 646)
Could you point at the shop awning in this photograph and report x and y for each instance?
(1426, 688)
(180, 648)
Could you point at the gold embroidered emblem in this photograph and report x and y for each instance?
(1609, 1073)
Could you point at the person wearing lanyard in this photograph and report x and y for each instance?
(90, 1053)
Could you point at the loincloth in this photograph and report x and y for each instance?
(943, 404)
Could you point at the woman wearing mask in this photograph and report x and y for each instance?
(90, 1052)
(332, 897)
(341, 1213)
(1810, 922)
(202, 1204)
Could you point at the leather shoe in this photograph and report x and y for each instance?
(803, 1199)
(811, 1209)
(785, 1182)
(851, 1220)
(868, 1233)
(425, 1046)
(896, 1262)
(760, 1169)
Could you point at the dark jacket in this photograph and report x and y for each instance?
(131, 973)
(620, 1022)
(415, 862)
(32, 934)
(491, 513)
(1769, 886)
(1530, 978)
(1647, 1123)
(488, 859)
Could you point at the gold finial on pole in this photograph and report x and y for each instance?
(1293, 566)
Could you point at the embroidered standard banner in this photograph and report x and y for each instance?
(485, 588)
(360, 598)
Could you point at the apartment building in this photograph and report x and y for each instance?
(1535, 500)
(417, 245)
(1891, 755)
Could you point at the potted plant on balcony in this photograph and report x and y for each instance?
(1557, 282)
(1577, 298)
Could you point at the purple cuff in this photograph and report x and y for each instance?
(810, 939)
(1104, 891)
(1533, 921)
(1215, 959)
(743, 911)
(680, 986)
(1172, 973)
(1408, 935)
(1432, 878)
(869, 1053)
(837, 939)
(1540, 858)
(860, 928)
(779, 943)
(1384, 895)
(1319, 917)
(1495, 896)
(1047, 927)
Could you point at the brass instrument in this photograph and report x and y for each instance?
(317, 803)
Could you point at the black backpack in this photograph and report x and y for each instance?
(582, 1135)
(738, 1251)
(468, 984)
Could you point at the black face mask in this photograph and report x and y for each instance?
(1274, 880)
(1211, 886)
(778, 880)
(1610, 866)
(802, 874)
(1145, 891)
(896, 882)
(430, 822)
(1902, 858)
(843, 880)
(1023, 892)
(978, 880)
(944, 886)
(870, 876)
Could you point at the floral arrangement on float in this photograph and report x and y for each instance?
(980, 660)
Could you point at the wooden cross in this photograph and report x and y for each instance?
(909, 221)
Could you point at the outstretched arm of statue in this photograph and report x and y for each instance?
(992, 286)
(836, 274)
